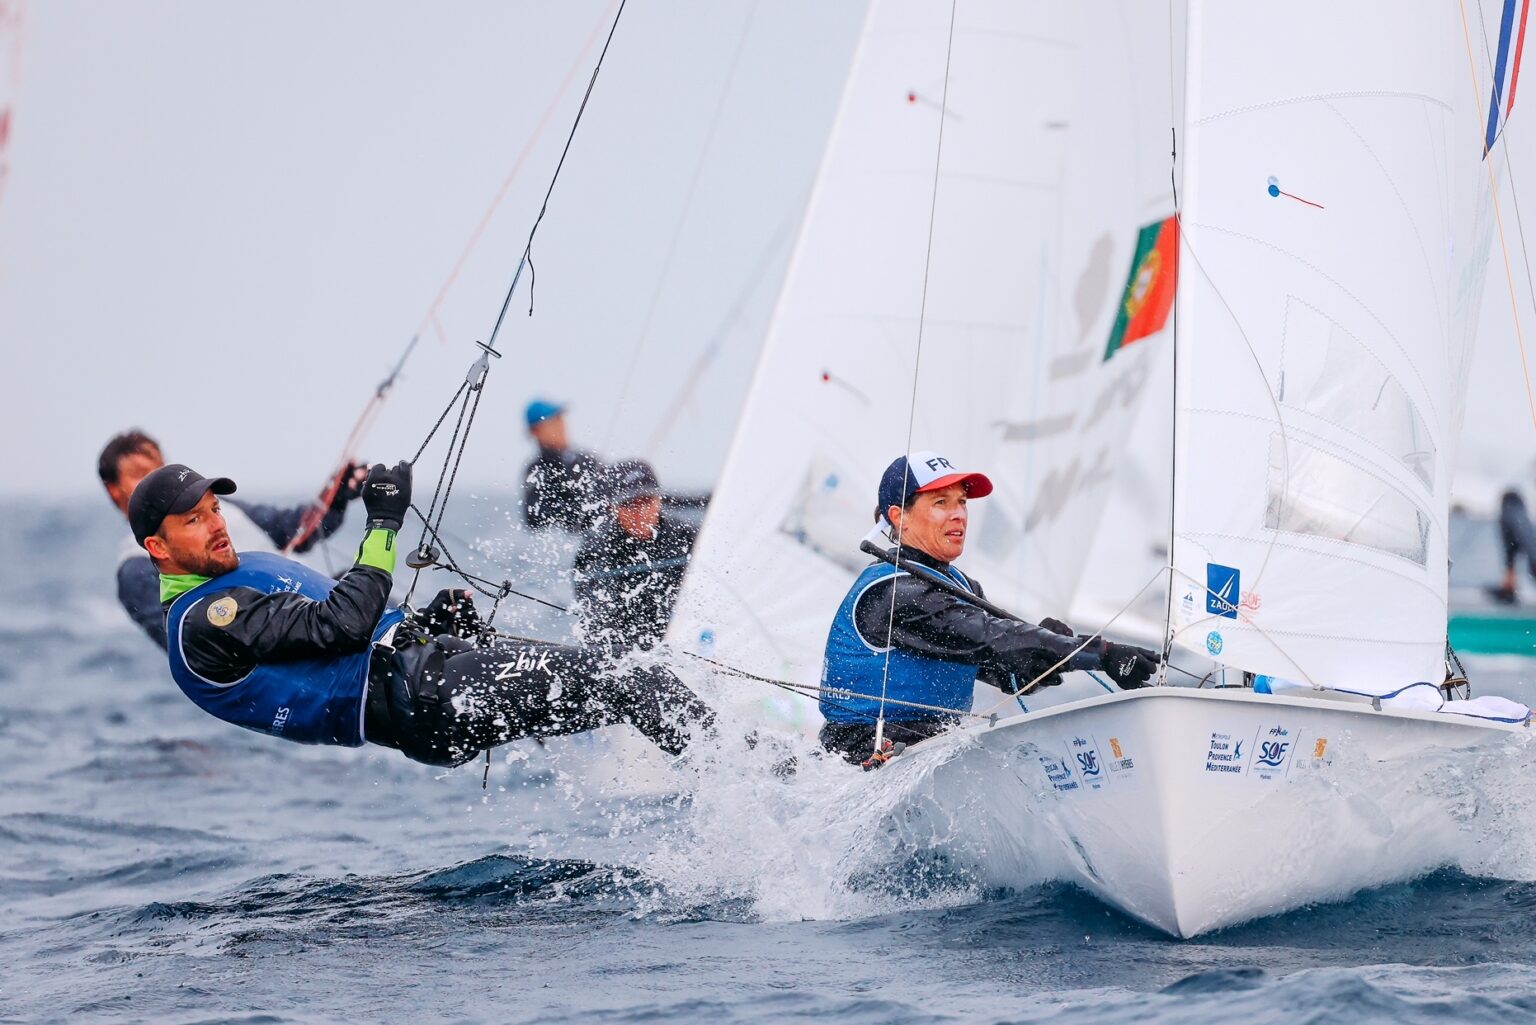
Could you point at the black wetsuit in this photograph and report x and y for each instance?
(930, 621)
(627, 585)
(1518, 534)
(138, 582)
(438, 699)
(565, 488)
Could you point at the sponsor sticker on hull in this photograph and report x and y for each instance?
(1083, 755)
(1226, 755)
(1059, 774)
(1265, 754)
(1121, 764)
(1274, 749)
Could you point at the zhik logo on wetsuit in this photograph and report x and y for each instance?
(525, 663)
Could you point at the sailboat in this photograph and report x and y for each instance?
(1022, 210)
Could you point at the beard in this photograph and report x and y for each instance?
(212, 564)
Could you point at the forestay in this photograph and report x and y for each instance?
(1335, 224)
(1055, 168)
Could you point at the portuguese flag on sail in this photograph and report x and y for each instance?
(1149, 289)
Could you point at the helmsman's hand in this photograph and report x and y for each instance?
(387, 495)
(1127, 665)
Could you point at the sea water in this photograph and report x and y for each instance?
(157, 865)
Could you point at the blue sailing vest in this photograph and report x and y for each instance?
(311, 700)
(853, 664)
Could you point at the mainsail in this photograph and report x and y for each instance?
(1039, 309)
(1331, 278)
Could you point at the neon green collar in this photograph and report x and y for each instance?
(174, 585)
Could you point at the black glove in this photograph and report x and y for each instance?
(387, 495)
(1127, 665)
(1040, 665)
(451, 612)
(352, 480)
(1056, 626)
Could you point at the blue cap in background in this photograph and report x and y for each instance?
(540, 410)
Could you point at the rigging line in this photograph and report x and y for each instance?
(1173, 447)
(314, 515)
(1249, 623)
(506, 186)
(1030, 687)
(808, 689)
(917, 365)
(1173, 398)
(474, 381)
(446, 410)
(459, 455)
(1498, 219)
(1514, 191)
(718, 337)
(1283, 434)
(527, 257)
(453, 442)
(677, 231)
(1186, 243)
(452, 564)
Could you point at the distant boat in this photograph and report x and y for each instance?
(1318, 273)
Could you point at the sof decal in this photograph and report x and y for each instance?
(1274, 750)
(1083, 755)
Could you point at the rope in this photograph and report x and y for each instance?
(812, 690)
(1498, 218)
(470, 391)
(527, 257)
(506, 185)
(1069, 656)
(917, 363)
(315, 514)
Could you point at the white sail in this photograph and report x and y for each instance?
(1054, 158)
(1328, 157)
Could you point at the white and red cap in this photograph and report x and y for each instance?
(926, 471)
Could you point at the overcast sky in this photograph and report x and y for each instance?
(223, 222)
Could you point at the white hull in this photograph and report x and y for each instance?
(1193, 810)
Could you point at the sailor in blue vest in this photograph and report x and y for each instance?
(900, 634)
(267, 643)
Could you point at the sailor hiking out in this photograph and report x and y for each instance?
(131, 456)
(268, 644)
(907, 633)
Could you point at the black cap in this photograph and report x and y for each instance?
(169, 491)
(634, 479)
